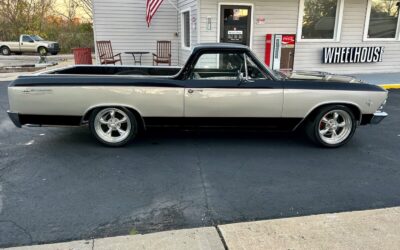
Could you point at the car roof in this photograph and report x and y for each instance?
(219, 46)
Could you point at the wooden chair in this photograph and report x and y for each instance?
(163, 53)
(106, 53)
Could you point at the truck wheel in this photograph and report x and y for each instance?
(113, 126)
(42, 51)
(332, 127)
(5, 51)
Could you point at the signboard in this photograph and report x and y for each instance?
(235, 32)
(288, 41)
(353, 54)
(235, 35)
(260, 20)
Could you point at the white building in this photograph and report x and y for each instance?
(354, 36)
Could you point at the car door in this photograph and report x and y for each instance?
(221, 92)
(27, 44)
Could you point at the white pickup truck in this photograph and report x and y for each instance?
(29, 44)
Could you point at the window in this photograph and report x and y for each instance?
(382, 19)
(320, 20)
(219, 66)
(185, 23)
(225, 66)
(27, 39)
(253, 70)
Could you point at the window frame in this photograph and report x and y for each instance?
(27, 36)
(217, 53)
(188, 10)
(366, 27)
(268, 76)
(338, 24)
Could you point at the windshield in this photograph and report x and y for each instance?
(37, 38)
(277, 75)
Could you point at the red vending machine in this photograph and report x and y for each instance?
(279, 51)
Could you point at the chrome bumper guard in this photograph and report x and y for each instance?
(378, 117)
(14, 118)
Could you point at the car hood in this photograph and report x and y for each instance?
(319, 76)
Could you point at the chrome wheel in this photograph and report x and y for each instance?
(43, 51)
(335, 126)
(112, 125)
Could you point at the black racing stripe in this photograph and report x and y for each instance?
(224, 122)
(75, 81)
(314, 85)
(50, 120)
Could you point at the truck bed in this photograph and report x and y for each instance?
(116, 70)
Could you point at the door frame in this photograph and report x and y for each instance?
(251, 5)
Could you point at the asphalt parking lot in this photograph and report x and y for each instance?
(59, 184)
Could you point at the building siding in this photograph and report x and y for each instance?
(124, 23)
(308, 55)
(282, 18)
(185, 5)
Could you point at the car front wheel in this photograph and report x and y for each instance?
(113, 126)
(332, 127)
(42, 51)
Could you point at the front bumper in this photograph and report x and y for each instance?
(53, 50)
(378, 117)
(14, 118)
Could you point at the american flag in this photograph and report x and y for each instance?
(151, 9)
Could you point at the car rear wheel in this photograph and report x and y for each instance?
(113, 126)
(332, 127)
(5, 51)
(42, 51)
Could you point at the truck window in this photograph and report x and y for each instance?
(253, 71)
(219, 66)
(27, 39)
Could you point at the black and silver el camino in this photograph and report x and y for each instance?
(220, 86)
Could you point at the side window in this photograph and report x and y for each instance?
(27, 39)
(219, 66)
(253, 71)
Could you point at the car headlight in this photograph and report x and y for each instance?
(51, 45)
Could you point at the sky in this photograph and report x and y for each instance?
(61, 7)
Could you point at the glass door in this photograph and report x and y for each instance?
(235, 24)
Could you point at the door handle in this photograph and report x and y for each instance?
(191, 91)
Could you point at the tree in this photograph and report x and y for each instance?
(86, 6)
(23, 16)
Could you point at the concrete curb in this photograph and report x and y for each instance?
(196, 239)
(369, 229)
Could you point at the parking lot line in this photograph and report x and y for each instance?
(390, 86)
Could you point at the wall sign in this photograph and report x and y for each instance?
(194, 22)
(260, 20)
(352, 54)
